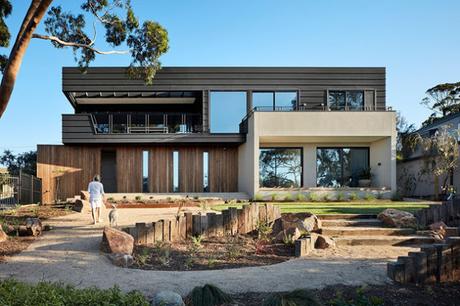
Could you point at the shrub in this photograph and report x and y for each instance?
(288, 198)
(341, 197)
(13, 292)
(263, 230)
(300, 197)
(274, 196)
(353, 196)
(369, 196)
(314, 197)
(360, 300)
(379, 195)
(208, 295)
(137, 198)
(299, 297)
(396, 196)
(327, 197)
(111, 200)
(258, 197)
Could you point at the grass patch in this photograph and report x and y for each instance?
(359, 207)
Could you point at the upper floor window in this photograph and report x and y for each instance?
(346, 100)
(227, 109)
(274, 100)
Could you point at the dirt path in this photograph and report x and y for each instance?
(70, 254)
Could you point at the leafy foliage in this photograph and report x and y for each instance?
(27, 162)
(442, 99)
(5, 11)
(16, 293)
(208, 295)
(299, 297)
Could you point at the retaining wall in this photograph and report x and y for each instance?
(448, 212)
(230, 221)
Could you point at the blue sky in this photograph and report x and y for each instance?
(416, 40)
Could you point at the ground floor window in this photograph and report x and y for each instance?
(280, 167)
(338, 167)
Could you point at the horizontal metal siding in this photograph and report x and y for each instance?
(312, 83)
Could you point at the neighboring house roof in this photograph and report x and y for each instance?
(437, 123)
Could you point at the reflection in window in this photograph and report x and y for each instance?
(205, 171)
(120, 123)
(337, 167)
(174, 123)
(227, 109)
(137, 124)
(280, 167)
(102, 122)
(279, 100)
(145, 171)
(176, 171)
(346, 100)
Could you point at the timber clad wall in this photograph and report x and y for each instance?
(66, 170)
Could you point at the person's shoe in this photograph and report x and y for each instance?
(94, 223)
(100, 220)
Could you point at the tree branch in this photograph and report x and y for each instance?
(78, 45)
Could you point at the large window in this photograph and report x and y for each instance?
(280, 167)
(175, 171)
(227, 109)
(145, 171)
(205, 171)
(338, 167)
(279, 100)
(346, 100)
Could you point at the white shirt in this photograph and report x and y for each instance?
(96, 190)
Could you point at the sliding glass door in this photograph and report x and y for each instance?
(339, 167)
(280, 167)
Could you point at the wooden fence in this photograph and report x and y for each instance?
(447, 212)
(231, 221)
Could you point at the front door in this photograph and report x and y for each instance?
(109, 171)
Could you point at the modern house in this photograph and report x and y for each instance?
(413, 170)
(198, 130)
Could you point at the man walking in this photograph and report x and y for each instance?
(96, 197)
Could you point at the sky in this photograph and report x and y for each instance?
(416, 40)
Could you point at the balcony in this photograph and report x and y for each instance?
(148, 123)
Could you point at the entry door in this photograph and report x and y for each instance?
(109, 171)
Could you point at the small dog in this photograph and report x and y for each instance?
(113, 216)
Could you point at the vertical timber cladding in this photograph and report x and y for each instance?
(66, 170)
(160, 169)
(223, 169)
(129, 169)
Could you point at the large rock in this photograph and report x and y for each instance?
(84, 195)
(167, 298)
(323, 242)
(397, 218)
(82, 206)
(33, 227)
(121, 260)
(438, 231)
(288, 235)
(311, 223)
(116, 241)
(3, 235)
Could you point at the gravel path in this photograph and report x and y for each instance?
(70, 254)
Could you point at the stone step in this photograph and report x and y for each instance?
(347, 216)
(366, 231)
(383, 240)
(352, 223)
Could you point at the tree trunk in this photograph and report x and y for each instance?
(33, 17)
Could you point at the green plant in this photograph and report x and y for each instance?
(287, 239)
(196, 241)
(340, 197)
(273, 197)
(369, 196)
(263, 231)
(396, 196)
(288, 198)
(299, 297)
(212, 260)
(13, 292)
(163, 252)
(365, 174)
(137, 198)
(232, 248)
(208, 295)
(360, 300)
(353, 196)
(196, 197)
(258, 197)
(379, 195)
(111, 200)
(314, 197)
(300, 197)
(142, 256)
(327, 197)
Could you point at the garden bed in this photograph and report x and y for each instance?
(161, 203)
(211, 254)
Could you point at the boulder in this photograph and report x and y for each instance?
(288, 235)
(121, 260)
(116, 241)
(438, 230)
(167, 298)
(397, 218)
(311, 223)
(33, 227)
(323, 242)
(82, 206)
(84, 195)
(3, 235)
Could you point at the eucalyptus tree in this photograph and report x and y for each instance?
(144, 42)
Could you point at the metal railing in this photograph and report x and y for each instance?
(21, 189)
(146, 123)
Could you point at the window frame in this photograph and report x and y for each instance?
(374, 107)
(273, 92)
(301, 164)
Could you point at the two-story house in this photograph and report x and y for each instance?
(210, 130)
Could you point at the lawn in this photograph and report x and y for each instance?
(358, 207)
